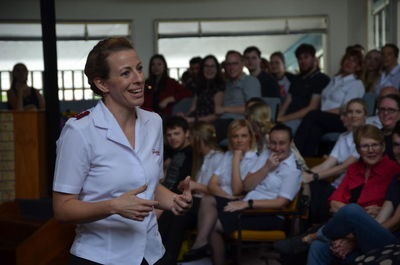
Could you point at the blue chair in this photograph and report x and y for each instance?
(370, 99)
(182, 106)
(273, 103)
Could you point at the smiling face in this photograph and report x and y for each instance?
(252, 61)
(210, 69)
(355, 115)
(157, 67)
(388, 113)
(350, 65)
(177, 138)
(233, 66)
(279, 143)
(277, 66)
(125, 83)
(240, 139)
(370, 150)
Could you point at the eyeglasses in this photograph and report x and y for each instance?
(388, 110)
(366, 147)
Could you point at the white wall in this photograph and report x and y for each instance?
(345, 17)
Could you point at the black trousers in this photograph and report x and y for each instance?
(74, 260)
(172, 228)
(315, 124)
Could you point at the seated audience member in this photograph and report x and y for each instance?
(305, 91)
(371, 73)
(374, 120)
(367, 232)
(20, 96)
(226, 184)
(178, 153)
(357, 47)
(238, 89)
(365, 183)
(389, 115)
(278, 71)
(271, 184)
(258, 113)
(161, 91)
(252, 60)
(341, 89)
(206, 158)
(190, 77)
(391, 70)
(210, 92)
(265, 65)
(343, 154)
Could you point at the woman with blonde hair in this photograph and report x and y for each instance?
(207, 155)
(225, 185)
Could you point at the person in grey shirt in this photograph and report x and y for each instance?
(239, 88)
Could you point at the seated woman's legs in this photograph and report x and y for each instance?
(354, 219)
(207, 218)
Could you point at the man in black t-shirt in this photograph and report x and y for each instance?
(305, 90)
(252, 60)
(178, 154)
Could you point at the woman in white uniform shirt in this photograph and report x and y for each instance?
(206, 158)
(341, 89)
(109, 162)
(343, 154)
(225, 185)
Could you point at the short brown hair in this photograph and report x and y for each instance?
(368, 131)
(96, 63)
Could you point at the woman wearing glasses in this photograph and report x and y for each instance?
(389, 115)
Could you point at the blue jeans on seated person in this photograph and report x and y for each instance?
(349, 219)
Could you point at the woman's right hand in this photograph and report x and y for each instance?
(132, 207)
(272, 161)
(307, 177)
(237, 155)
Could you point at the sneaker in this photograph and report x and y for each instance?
(292, 246)
(198, 253)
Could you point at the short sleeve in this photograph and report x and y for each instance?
(336, 149)
(319, 83)
(291, 183)
(252, 89)
(72, 162)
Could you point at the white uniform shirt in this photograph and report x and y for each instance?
(211, 162)
(341, 90)
(343, 149)
(96, 161)
(224, 171)
(284, 181)
(374, 120)
(389, 79)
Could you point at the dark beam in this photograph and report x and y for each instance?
(50, 84)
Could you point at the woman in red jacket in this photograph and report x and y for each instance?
(162, 92)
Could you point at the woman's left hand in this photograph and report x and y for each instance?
(183, 202)
(236, 206)
(343, 246)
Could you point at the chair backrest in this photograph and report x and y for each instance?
(182, 106)
(273, 103)
(370, 99)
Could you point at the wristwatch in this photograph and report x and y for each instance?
(315, 176)
(250, 202)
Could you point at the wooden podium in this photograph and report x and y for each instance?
(25, 150)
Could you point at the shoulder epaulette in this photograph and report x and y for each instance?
(82, 114)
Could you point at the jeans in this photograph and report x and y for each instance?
(349, 219)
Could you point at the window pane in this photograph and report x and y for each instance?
(243, 26)
(70, 29)
(21, 29)
(177, 27)
(105, 29)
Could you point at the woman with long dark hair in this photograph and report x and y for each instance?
(209, 93)
(162, 91)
